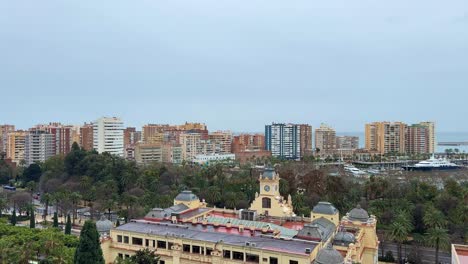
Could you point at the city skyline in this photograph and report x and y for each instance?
(340, 62)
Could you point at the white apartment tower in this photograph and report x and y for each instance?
(38, 146)
(108, 136)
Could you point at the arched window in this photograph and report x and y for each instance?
(266, 202)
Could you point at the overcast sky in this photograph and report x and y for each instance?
(235, 65)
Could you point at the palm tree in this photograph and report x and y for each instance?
(438, 237)
(213, 194)
(230, 200)
(434, 218)
(399, 231)
(75, 198)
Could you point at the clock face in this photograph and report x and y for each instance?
(266, 188)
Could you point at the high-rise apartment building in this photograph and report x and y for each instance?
(386, 137)
(306, 139)
(249, 142)
(325, 139)
(283, 140)
(157, 133)
(191, 145)
(62, 136)
(431, 134)
(75, 134)
(222, 141)
(15, 146)
(86, 136)
(108, 136)
(39, 146)
(420, 138)
(347, 142)
(131, 138)
(153, 133)
(417, 139)
(4, 130)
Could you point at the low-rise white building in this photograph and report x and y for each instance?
(206, 159)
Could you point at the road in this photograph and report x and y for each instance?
(427, 254)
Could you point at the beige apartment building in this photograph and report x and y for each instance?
(325, 139)
(306, 139)
(431, 135)
(15, 144)
(222, 141)
(398, 137)
(386, 137)
(4, 130)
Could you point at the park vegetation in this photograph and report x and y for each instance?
(410, 210)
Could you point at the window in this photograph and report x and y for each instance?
(161, 244)
(154, 243)
(121, 255)
(169, 245)
(208, 251)
(273, 260)
(186, 248)
(293, 262)
(226, 254)
(266, 202)
(238, 255)
(119, 238)
(252, 258)
(162, 262)
(147, 242)
(126, 239)
(137, 241)
(196, 249)
(127, 256)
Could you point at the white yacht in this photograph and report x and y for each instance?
(433, 164)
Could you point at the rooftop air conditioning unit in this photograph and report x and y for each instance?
(308, 250)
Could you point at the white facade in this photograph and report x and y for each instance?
(203, 159)
(38, 147)
(108, 136)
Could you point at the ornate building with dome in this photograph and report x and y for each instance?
(267, 232)
(269, 201)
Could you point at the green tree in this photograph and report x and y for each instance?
(55, 224)
(13, 217)
(32, 173)
(32, 219)
(438, 237)
(230, 200)
(213, 195)
(399, 231)
(68, 226)
(434, 218)
(144, 256)
(3, 205)
(89, 248)
(46, 198)
(75, 198)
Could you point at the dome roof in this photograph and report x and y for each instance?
(324, 208)
(186, 196)
(329, 255)
(104, 225)
(358, 214)
(269, 173)
(343, 238)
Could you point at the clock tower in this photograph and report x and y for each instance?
(269, 201)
